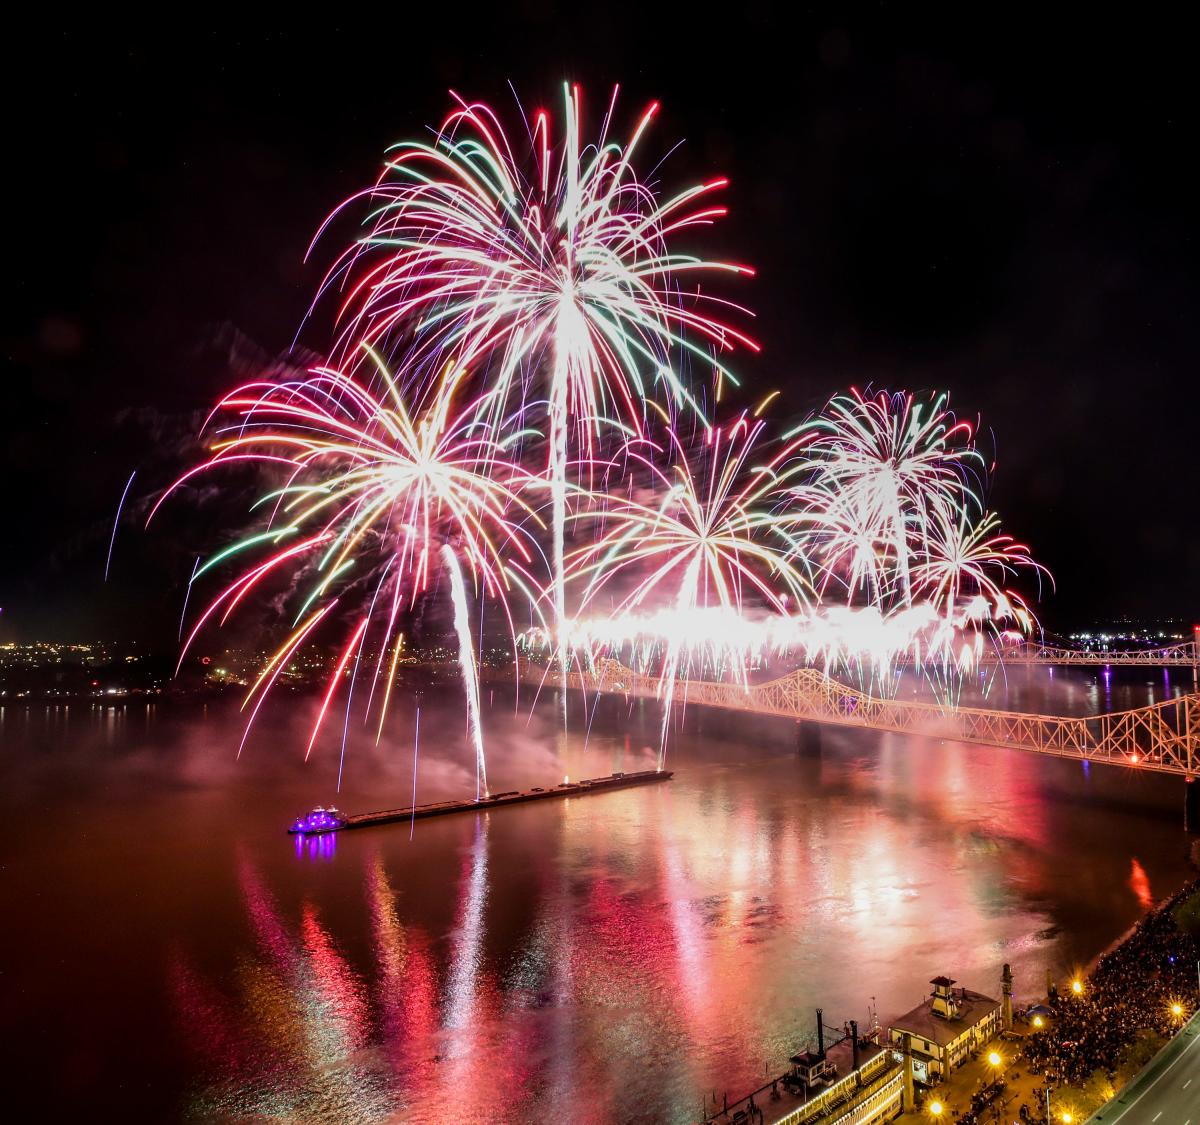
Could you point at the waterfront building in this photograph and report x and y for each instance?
(946, 1028)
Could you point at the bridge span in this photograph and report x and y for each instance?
(1184, 655)
(1159, 737)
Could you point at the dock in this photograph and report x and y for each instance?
(321, 822)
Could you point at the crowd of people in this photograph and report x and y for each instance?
(1148, 983)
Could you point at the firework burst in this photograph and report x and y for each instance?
(879, 473)
(517, 321)
(710, 539)
(371, 497)
(555, 270)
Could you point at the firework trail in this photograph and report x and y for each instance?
(117, 523)
(412, 824)
(187, 594)
(716, 527)
(466, 660)
(889, 506)
(555, 269)
(970, 559)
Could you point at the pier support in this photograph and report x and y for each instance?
(908, 1100)
(854, 1062)
(1006, 981)
(1191, 804)
(808, 738)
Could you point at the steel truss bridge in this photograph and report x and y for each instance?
(1162, 737)
(1185, 655)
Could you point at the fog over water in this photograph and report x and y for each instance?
(169, 953)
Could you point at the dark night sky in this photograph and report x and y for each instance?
(1002, 208)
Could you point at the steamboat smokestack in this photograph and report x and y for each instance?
(854, 1046)
(820, 1033)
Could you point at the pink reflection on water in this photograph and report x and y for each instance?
(273, 936)
(1139, 883)
(486, 1064)
(407, 984)
(208, 1020)
(333, 995)
(466, 953)
(617, 958)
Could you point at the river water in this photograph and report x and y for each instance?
(168, 953)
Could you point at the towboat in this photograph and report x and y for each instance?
(319, 820)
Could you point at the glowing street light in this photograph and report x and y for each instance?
(1177, 1010)
(935, 1109)
(1077, 986)
(995, 1059)
(1038, 1021)
(1065, 1115)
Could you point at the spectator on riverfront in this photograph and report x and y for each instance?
(1146, 983)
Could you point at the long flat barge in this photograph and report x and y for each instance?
(323, 821)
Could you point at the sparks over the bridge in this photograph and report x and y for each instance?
(1160, 737)
(520, 349)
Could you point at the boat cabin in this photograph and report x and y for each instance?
(812, 1069)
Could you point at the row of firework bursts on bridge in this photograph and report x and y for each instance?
(526, 397)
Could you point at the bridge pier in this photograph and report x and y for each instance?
(1191, 805)
(808, 738)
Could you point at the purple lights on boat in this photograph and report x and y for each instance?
(318, 821)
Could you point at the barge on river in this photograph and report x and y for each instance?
(322, 821)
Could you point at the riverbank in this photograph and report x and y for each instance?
(1094, 1035)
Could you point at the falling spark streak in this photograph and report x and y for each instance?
(346, 720)
(466, 660)
(333, 683)
(276, 665)
(117, 523)
(387, 691)
(412, 824)
(186, 595)
(687, 597)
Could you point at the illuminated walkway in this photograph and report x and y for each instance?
(1164, 737)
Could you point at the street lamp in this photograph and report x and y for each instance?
(1066, 1116)
(935, 1109)
(1038, 1021)
(1077, 986)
